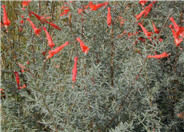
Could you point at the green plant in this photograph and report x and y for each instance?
(117, 87)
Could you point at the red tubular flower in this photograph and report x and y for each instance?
(43, 20)
(66, 9)
(17, 78)
(109, 16)
(140, 15)
(146, 11)
(56, 50)
(74, 70)
(148, 8)
(36, 15)
(176, 27)
(90, 5)
(145, 31)
(95, 7)
(65, 12)
(6, 21)
(101, 5)
(143, 2)
(40, 18)
(177, 40)
(84, 48)
(160, 56)
(49, 38)
(155, 28)
(25, 3)
(36, 30)
(53, 25)
(180, 32)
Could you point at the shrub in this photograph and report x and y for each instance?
(117, 87)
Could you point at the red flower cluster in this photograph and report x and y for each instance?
(43, 20)
(177, 32)
(148, 34)
(146, 11)
(92, 6)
